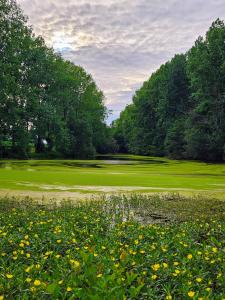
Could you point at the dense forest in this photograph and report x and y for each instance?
(48, 106)
(180, 111)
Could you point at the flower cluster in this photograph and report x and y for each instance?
(79, 253)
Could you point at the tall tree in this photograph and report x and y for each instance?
(46, 103)
(180, 110)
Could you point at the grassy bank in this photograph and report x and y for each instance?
(119, 248)
(119, 174)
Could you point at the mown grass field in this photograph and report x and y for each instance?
(117, 174)
(143, 247)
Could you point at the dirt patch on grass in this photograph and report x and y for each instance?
(41, 195)
(74, 193)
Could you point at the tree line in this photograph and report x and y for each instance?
(48, 106)
(180, 111)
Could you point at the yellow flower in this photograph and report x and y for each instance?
(59, 241)
(69, 289)
(165, 265)
(1, 297)
(99, 275)
(75, 263)
(190, 256)
(27, 270)
(154, 277)
(9, 276)
(176, 263)
(214, 249)
(169, 297)
(37, 282)
(155, 267)
(28, 280)
(199, 279)
(60, 282)
(191, 294)
(123, 255)
(28, 255)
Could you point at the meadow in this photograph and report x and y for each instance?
(155, 231)
(139, 247)
(119, 173)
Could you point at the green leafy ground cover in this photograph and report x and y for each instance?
(113, 249)
(143, 174)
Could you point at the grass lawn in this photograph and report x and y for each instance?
(121, 173)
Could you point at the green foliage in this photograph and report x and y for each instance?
(180, 110)
(95, 251)
(44, 100)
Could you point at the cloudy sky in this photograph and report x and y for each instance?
(121, 42)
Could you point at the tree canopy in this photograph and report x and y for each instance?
(180, 110)
(48, 105)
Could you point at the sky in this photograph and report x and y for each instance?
(121, 42)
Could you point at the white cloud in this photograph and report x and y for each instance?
(121, 42)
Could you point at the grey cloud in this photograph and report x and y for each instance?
(121, 42)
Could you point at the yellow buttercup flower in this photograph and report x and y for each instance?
(199, 279)
(9, 276)
(190, 256)
(69, 289)
(37, 282)
(156, 267)
(75, 263)
(191, 294)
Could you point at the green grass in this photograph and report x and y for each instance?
(98, 250)
(144, 174)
